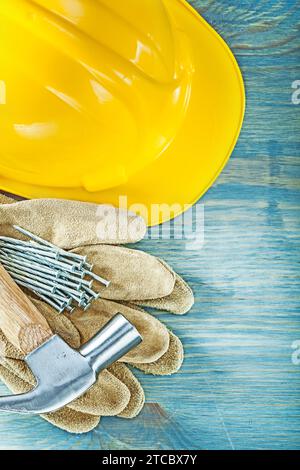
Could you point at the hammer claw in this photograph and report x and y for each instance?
(22, 403)
(64, 374)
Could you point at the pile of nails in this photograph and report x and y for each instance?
(62, 279)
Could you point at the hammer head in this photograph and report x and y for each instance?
(64, 374)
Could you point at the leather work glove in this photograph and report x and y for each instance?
(137, 279)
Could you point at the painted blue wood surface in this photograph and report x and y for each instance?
(239, 388)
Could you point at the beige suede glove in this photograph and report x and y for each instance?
(137, 279)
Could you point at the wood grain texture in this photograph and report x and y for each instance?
(239, 388)
(20, 320)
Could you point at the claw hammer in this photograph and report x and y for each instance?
(62, 373)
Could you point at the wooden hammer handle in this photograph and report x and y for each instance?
(20, 321)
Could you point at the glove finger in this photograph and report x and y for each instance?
(139, 278)
(8, 199)
(69, 224)
(20, 369)
(169, 363)
(7, 349)
(72, 421)
(137, 400)
(179, 302)
(155, 335)
(66, 418)
(109, 396)
(133, 274)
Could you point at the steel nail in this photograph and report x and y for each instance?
(68, 290)
(33, 279)
(92, 293)
(34, 237)
(60, 307)
(54, 253)
(72, 277)
(48, 244)
(56, 275)
(70, 262)
(64, 291)
(42, 291)
(74, 256)
(20, 262)
(88, 267)
(70, 309)
(55, 297)
(30, 286)
(32, 282)
(98, 278)
(46, 262)
(87, 307)
(28, 249)
(23, 270)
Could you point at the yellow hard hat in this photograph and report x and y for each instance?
(102, 99)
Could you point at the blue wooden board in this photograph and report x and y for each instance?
(239, 388)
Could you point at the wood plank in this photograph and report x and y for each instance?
(238, 387)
